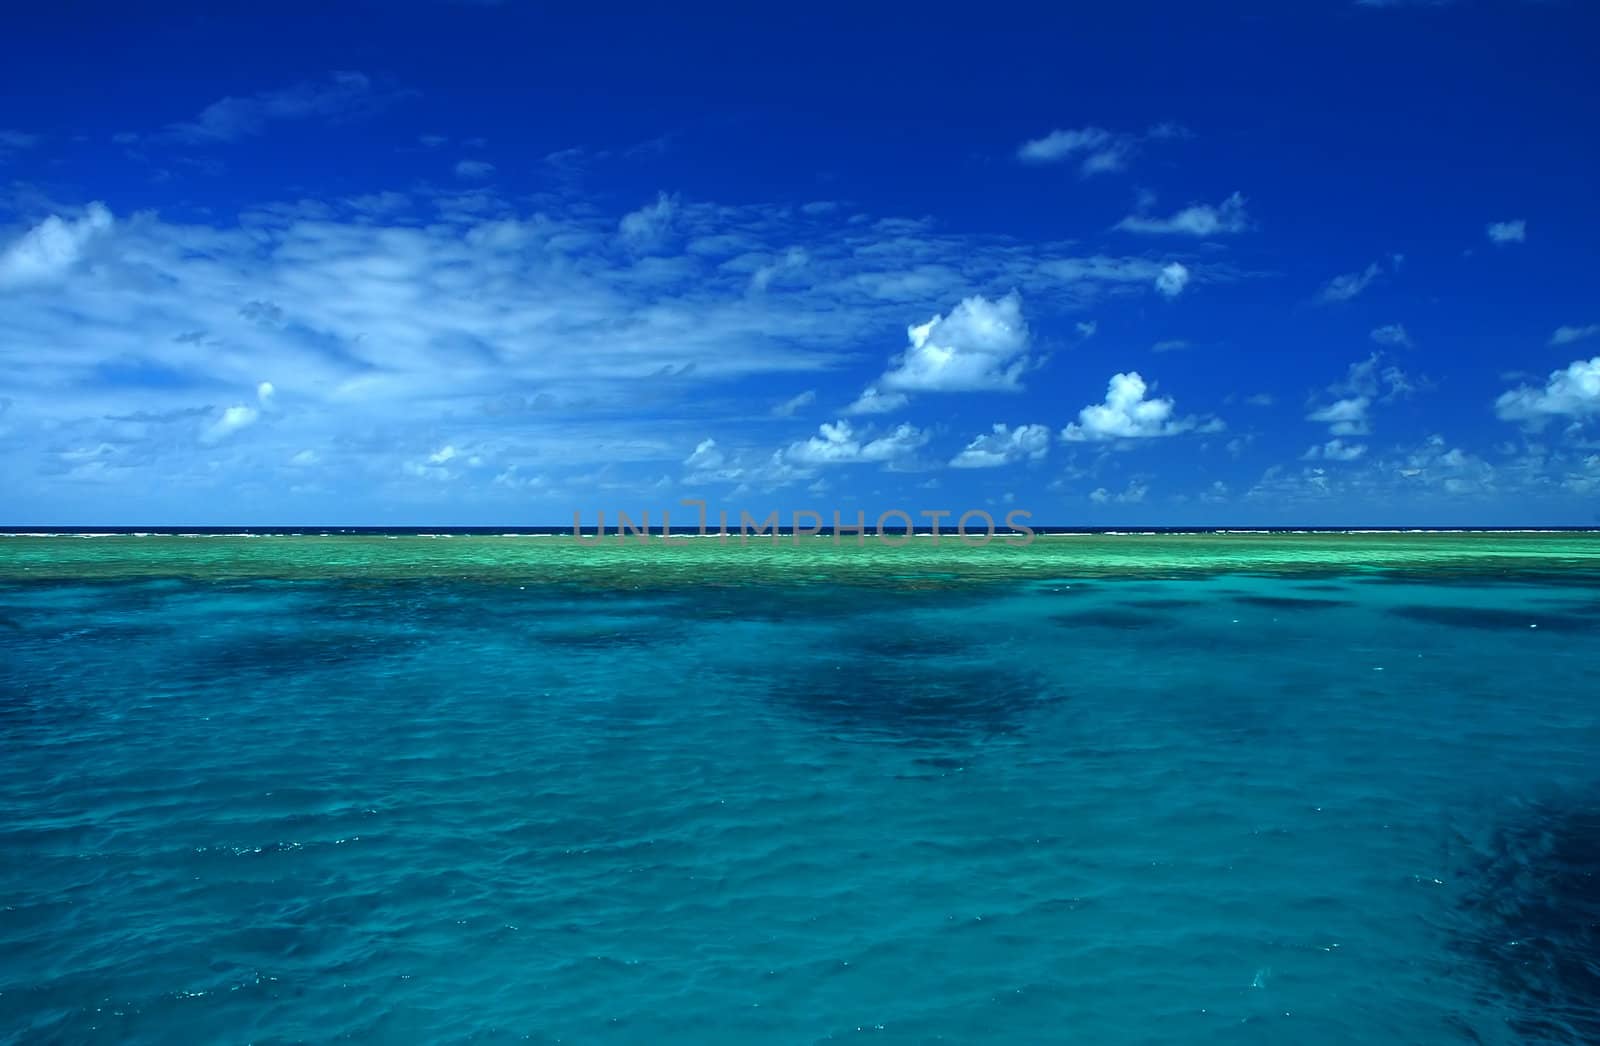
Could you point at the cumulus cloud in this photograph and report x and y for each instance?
(50, 248)
(1507, 232)
(837, 444)
(1172, 279)
(981, 344)
(1336, 450)
(1198, 219)
(1003, 446)
(1452, 469)
(1568, 335)
(1393, 334)
(872, 401)
(1133, 494)
(1347, 286)
(1570, 393)
(1127, 413)
(1345, 417)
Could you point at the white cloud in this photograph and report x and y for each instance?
(795, 404)
(705, 456)
(1003, 446)
(305, 459)
(1195, 220)
(1133, 494)
(872, 401)
(837, 444)
(1173, 279)
(1366, 383)
(1573, 392)
(1336, 450)
(1170, 345)
(1101, 151)
(233, 118)
(649, 224)
(1087, 329)
(474, 170)
(1452, 470)
(541, 336)
(1392, 334)
(231, 420)
(445, 453)
(1507, 232)
(1343, 288)
(793, 260)
(52, 247)
(1345, 417)
(1568, 335)
(1370, 378)
(1126, 414)
(981, 344)
(265, 391)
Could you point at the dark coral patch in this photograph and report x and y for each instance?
(1532, 920)
(1495, 619)
(1291, 602)
(1122, 620)
(916, 701)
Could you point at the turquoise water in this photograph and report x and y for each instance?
(1227, 809)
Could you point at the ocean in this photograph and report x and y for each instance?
(1243, 788)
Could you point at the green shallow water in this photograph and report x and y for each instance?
(675, 562)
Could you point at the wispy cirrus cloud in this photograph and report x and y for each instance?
(474, 170)
(1507, 232)
(1393, 335)
(1199, 219)
(1095, 149)
(1367, 383)
(1349, 285)
(1568, 335)
(554, 342)
(13, 142)
(340, 96)
(872, 401)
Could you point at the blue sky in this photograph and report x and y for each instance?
(1326, 262)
